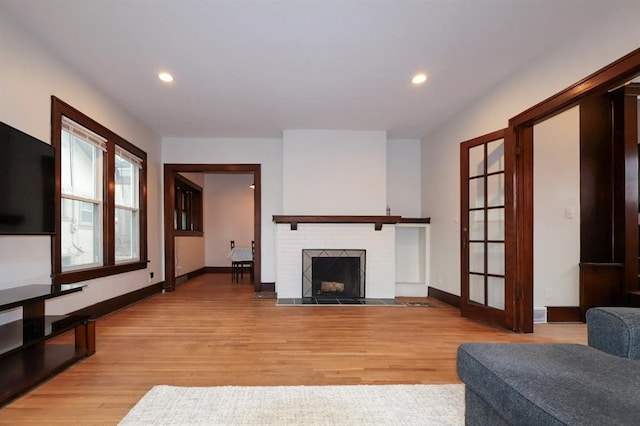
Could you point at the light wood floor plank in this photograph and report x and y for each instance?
(211, 332)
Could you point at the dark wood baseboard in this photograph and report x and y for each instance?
(443, 296)
(197, 272)
(185, 277)
(633, 298)
(111, 305)
(268, 287)
(227, 270)
(194, 274)
(222, 270)
(564, 314)
(217, 269)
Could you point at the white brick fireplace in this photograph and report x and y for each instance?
(379, 245)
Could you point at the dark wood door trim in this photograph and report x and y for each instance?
(170, 170)
(611, 76)
(626, 135)
(608, 78)
(523, 232)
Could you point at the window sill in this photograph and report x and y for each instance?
(103, 271)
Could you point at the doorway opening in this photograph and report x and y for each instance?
(171, 171)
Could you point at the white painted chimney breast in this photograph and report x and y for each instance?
(334, 172)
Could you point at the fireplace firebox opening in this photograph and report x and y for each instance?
(333, 274)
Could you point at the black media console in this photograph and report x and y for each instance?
(27, 355)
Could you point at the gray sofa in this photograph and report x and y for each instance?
(558, 384)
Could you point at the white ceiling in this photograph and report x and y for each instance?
(254, 68)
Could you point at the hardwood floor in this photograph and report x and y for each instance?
(212, 332)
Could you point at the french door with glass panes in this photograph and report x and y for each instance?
(486, 259)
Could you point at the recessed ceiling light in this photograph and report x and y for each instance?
(419, 78)
(166, 77)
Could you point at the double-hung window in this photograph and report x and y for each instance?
(82, 160)
(127, 206)
(101, 215)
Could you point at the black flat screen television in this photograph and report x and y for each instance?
(27, 184)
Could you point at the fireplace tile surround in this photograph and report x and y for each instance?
(333, 274)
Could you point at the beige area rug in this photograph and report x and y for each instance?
(300, 405)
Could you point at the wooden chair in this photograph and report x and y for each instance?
(252, 261)
(237, 266)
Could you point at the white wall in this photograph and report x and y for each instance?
(403, 198)
(591, 49)
(398, 178)
(189, 254)
(556, 189)
(228, 215)
(267, 152)
(30, 75)
(197, 178)
(409, 263)
(334, 172)
(403, 177)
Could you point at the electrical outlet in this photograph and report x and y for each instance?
(150, 276)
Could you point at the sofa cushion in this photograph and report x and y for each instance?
(615, 330)
(545, 384)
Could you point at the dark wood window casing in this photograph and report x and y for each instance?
(109, 265)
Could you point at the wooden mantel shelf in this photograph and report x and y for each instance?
(378, 221)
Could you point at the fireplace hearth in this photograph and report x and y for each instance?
(333, 274)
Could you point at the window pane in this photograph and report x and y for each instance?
(80, 234)
(127, 235)
(81, 173)
(126, 180)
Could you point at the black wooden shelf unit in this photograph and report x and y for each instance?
(27, 354)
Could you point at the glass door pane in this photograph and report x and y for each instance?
(476, 225)
(495, 156)
(476, 288)
(476, 257)
(495, 190)
(495, 224)
(495, 258)
(476, 193)
(476, 161)
(495, 292)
